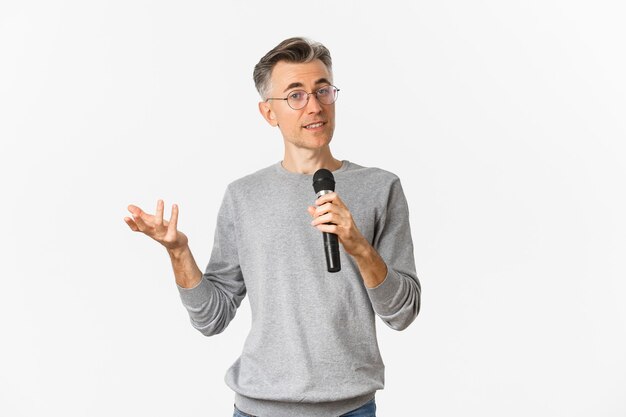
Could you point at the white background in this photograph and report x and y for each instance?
(504, 120)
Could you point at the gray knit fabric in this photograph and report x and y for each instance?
(312, 347)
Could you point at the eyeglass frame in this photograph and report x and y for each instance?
(307, 96)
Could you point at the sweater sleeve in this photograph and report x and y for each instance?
(212, 303)
(397, 299)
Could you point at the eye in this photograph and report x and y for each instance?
(296, 95)
(324, 91)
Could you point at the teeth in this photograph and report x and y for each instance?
(314, 125)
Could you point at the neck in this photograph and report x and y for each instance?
(307, 161)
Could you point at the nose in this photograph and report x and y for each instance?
(313, 105)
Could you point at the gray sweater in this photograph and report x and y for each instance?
(312, 347)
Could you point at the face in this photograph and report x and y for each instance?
(311, 127)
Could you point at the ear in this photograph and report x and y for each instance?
(268, 113)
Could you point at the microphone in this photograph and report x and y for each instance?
(324, 183)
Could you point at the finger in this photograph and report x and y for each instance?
(325, 208)
(326, 218)
(131, 224)
(136, 211)
(136, 220)
(311, 210)
(133, 209)
(174, 219)
(138, 217)
(328, 228)
(158, 216)
(326, 198)
(338, 201)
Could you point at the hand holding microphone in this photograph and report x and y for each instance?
(333, 217)
(324, 183)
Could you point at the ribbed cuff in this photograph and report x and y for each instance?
(195, 296)
(381, 295)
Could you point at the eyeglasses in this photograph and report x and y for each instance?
(298, 99)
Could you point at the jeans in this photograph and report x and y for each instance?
(367, 410)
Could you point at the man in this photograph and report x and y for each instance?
(312, 348)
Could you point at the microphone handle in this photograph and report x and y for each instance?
(331, 248)
(331, 245)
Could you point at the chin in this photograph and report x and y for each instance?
(319, 142)
(313, 141)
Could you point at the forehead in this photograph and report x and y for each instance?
(286, 73)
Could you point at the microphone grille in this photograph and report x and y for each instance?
(323, 180)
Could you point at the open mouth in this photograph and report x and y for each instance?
(314, 125)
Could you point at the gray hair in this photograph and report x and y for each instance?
(296, 50)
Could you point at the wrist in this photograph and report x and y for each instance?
(372, 267)
(178, 252)
(363, 250)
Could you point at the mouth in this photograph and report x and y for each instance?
(315, 125)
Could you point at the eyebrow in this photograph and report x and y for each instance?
(299, 84)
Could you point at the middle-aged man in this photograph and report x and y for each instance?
(312, 347)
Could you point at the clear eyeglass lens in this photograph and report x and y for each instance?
(298, 99)
(327, 95)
